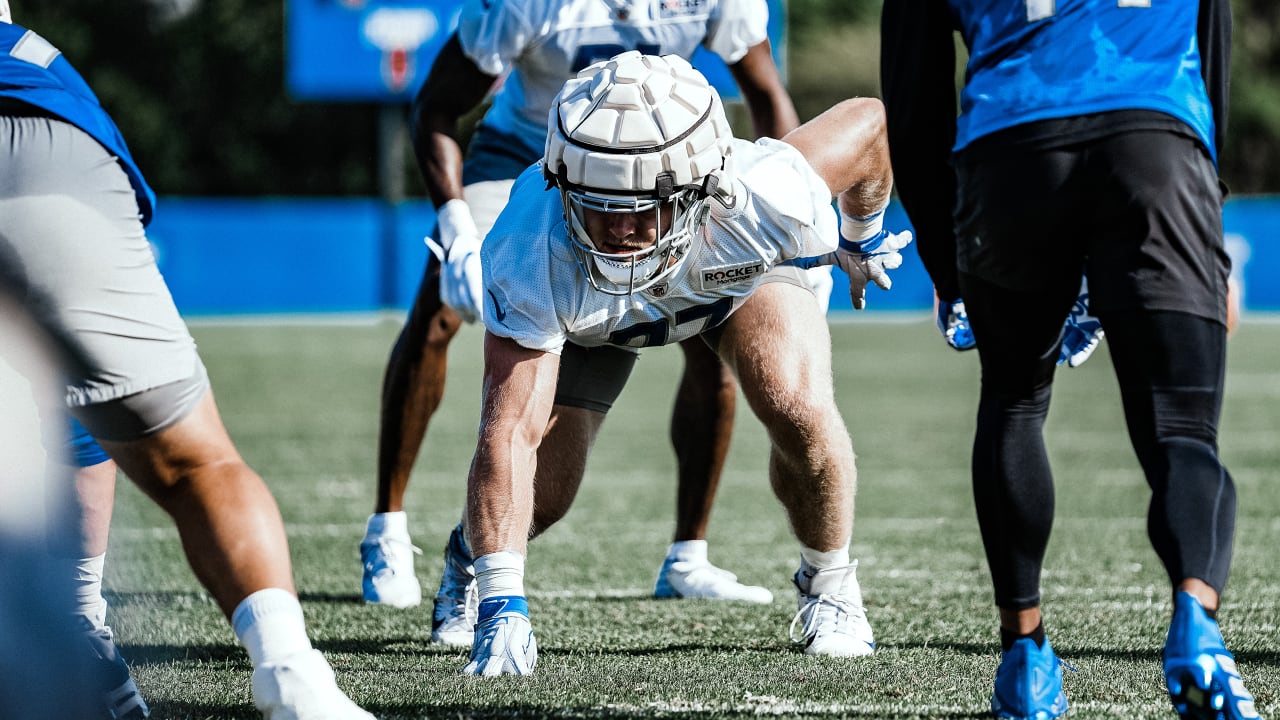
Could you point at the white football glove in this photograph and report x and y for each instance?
(461, 283)
(869, 261)
(504, 642)
(866, 253)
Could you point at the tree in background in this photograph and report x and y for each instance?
(198, 88)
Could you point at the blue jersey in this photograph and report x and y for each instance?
(1128, 55)
(34, 71)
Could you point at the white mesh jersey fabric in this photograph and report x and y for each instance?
(540, 44)
(536, 294)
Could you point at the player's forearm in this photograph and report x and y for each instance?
(519, 388)
(772, 112)
(440, 160)
(499, 500)
(452, 89)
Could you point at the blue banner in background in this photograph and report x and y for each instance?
(289, 255)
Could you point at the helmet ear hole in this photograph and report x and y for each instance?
(710, 184)
(665, 184)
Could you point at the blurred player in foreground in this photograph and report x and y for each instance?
(73, 206)
(647, 223)
(49, 670)
(1086, 141)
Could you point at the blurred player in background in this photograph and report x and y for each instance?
(537, 46)
(1087, 140)
(73, 207)
(662, 227)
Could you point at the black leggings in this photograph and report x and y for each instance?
(1170, 369)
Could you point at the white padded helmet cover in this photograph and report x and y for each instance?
(622, 121)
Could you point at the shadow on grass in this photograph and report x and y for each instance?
(331, 598)
(202, 711)
(418, 645)
(232, 655)
(1072, 653)
(525, 712)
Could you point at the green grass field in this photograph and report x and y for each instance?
(301, 402)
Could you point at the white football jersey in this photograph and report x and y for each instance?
(543, 43)
(537, 294)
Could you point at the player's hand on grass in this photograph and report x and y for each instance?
(459, 254)
(504, 642)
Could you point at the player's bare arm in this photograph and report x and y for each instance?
(772, 112)
(519, 387)
(848, 148)
(453, 88)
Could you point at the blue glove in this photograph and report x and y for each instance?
(1081, 333)
(953, 323)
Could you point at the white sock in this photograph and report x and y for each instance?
(86, 577)
(270, 626)
(395, 524)
(500, 573)
(688, 551)
(813, 562)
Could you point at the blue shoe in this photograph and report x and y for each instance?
(120, 695)
(1201, 675)
(953, 323)
(1081, 333)
(453, 621)
(1029, 683)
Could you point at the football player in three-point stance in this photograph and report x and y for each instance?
(646, 224)
(538, 46)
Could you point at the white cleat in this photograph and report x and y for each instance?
(453, 621)
(701, 580)
(832, 623)
(302, 687)
(388, 571)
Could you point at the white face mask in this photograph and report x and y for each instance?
(623, 274)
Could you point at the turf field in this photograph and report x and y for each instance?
(301, 402)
